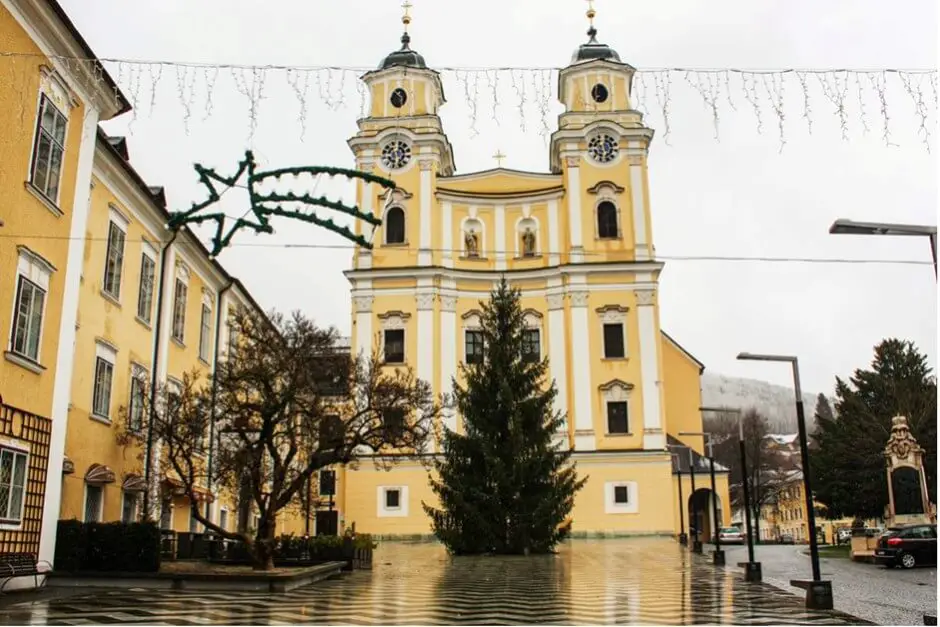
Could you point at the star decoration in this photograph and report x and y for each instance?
(265, 205)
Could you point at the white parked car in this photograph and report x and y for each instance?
(731, 535)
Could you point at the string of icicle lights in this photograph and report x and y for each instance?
(777, 101)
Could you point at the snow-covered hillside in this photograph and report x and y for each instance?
(774, 401)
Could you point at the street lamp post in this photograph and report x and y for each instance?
(752, 569)
(718, 557)
(693, 517)
(818, 592)
(683, 539)
(850, 227)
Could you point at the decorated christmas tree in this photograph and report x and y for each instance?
(504, 485)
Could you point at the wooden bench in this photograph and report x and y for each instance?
(13, 565)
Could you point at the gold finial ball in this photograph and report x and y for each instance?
(591, 13)
(406, 20)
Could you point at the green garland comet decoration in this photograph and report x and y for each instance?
(265, 205)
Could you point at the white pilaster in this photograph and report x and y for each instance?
(363, 308)
(449, 349)
(447, 239)
(424, 237)
(557, 358)
(499, 215)
(425, 302)
(554, 234)
(65, 353)
(581, 363)
(641, 245)
(574, 208)
(653, 436)
(364, 261)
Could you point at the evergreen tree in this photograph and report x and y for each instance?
(503, 485)
(823, 412)
(848, 462)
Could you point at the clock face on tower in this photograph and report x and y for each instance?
(603, 148)
(396, 154)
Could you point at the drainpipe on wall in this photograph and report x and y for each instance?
(215, 387)
(148, 456)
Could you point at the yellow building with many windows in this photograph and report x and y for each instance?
(576, 240)
(148, 296)
(99, 299)
(49, 113)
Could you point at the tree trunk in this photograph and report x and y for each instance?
(264, 545)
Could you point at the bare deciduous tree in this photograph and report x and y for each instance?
(284, 403)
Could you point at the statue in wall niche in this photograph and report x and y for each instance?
(528, 243)
(471, 243)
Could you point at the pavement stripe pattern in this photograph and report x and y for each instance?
(637, 581)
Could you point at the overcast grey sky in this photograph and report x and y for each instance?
(737, 197)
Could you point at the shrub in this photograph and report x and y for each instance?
(109, 547)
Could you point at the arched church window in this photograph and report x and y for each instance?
(603, 148)
(396, 154)
(395, 226)
(607, 220)
(398, 98)
(599, 93)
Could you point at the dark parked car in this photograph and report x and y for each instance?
(907, 546)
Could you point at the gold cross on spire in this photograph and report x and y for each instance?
(406, 18)
(499, 156)
(591, 12)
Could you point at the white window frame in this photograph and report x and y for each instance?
(404, 215)
(171, 509)
(118, 223)
(397, 512)
(632, 506)
(178, 318)
(223, 511)
(107, 353)
(532, 320)
(614, 314)
(137, 505)
(100, 503)
(617, 391)
(138, 375)
(37, 271)
(49, 97)
(148, 253)
(18, 450)
(472, 322)
(205, 327)
(393, 321)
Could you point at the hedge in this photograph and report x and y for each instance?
(111, 547)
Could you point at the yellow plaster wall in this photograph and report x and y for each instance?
(416, 104)
(579, 87)
(27, 220)
(653, 480)
(90, 440)
(683, 393)
(361, 503)
(184, 357)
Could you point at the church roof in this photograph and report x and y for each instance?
(404, 57)
(593, 50)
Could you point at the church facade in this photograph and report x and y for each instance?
(576, 240)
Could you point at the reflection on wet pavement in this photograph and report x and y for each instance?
(630, 581)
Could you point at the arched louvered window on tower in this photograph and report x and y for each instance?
(607, 226)
(395, 226)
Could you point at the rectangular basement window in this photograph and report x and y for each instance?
(392, 498)
(621, 495)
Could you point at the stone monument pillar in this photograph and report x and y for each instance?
(908, 498)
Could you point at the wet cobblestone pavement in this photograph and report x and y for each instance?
(636, 581)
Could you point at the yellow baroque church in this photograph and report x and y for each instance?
(578, 242)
